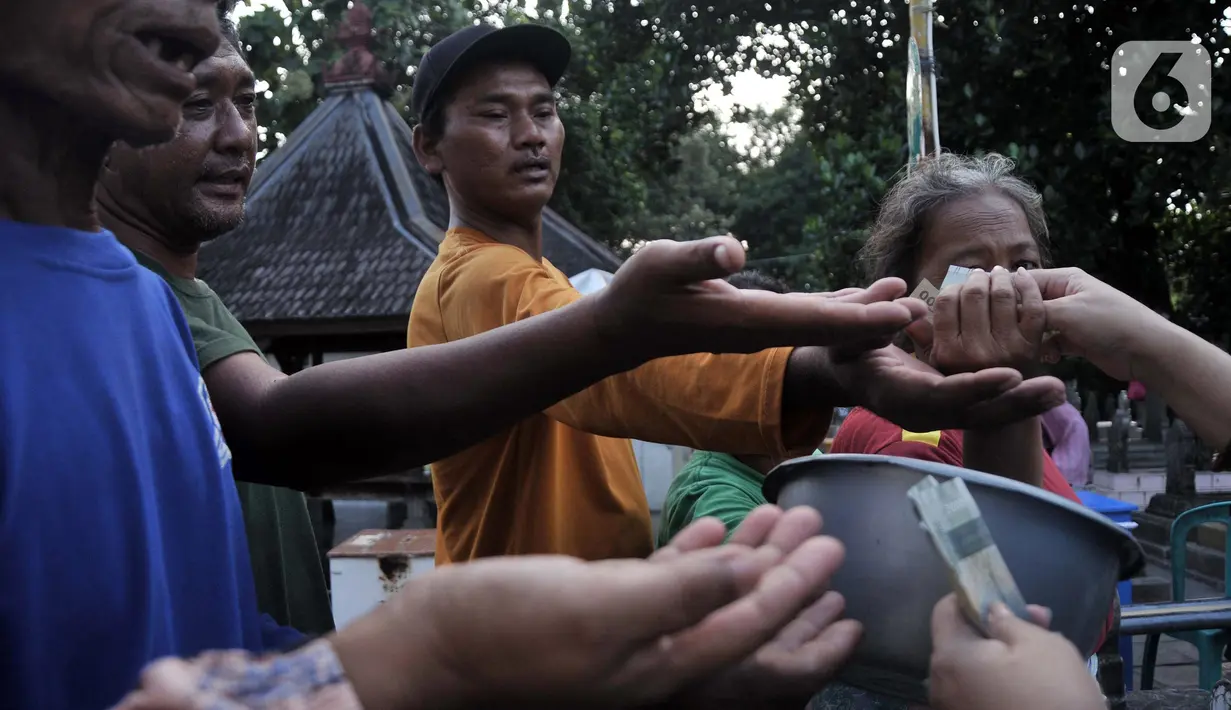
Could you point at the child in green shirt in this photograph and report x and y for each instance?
(714, 484)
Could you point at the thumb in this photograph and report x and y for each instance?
(949, 626)
(921, 334)
(1057, 283)
(700, 260)
(1004, 626)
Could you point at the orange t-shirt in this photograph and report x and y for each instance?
(565, 481)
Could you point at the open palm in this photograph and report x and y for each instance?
(916, 397)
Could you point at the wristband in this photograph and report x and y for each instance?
(310, 678)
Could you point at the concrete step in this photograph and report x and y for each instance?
(1204, 564)
(1157, 529)
(1135, 461)
(1151, 590)
(1133, 445)
(1152, 528)
(1156, 554)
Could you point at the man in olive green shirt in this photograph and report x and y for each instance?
(286, 565)
(162, 203)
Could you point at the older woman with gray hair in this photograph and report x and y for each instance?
(999, 221)
(972, 212)
(1000, 217)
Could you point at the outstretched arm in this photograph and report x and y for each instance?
(1128, 341)
(386, 413)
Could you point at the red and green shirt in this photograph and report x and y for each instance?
(865, 433)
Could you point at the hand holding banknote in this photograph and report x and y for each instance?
(980, 320)
(1021, 666)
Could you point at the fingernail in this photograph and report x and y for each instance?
(999, 612)
(1021, 270)
(998, 268)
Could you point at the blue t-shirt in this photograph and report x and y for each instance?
(121, 536)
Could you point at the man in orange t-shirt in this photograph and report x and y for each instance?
(566, 481)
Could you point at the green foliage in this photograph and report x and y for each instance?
(1028, 79)
(626, 101)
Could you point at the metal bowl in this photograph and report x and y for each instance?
(1062, 556)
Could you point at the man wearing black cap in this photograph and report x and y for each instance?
(566, 480)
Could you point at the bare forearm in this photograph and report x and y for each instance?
(1014, 451)
(387, 413)
(1191, 375)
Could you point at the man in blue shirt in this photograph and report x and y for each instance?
(121, 533)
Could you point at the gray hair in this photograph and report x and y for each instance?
(892, 248)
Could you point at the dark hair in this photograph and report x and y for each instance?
(227, 28)
(432, 124)
(893, 243)
(754, 280)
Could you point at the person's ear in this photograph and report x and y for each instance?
(427, 151)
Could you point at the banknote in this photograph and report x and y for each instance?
(950, 516)
(926, 292)
(957, 275)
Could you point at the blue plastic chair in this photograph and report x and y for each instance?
(1210, 643)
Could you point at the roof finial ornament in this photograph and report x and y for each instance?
(358, 66)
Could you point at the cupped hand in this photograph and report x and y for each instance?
(806, 654)
(1089, 319)
(916, 397)
(670, 297)
(559, 632)
(1021, 666)
(991, 320)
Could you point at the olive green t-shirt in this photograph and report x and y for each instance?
(286, 566)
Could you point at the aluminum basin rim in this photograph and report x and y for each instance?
(1132, 559)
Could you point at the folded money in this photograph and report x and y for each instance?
(926, 292)
(948, 513)
(957, 275)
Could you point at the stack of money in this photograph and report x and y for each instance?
(949, 514)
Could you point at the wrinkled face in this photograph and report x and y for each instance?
(981, 231)
(502, 141)
(122, 66)
(192, 187)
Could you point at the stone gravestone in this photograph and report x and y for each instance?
(1090, 414)
(1182, 453)
(1155, 413)
(1117, 438)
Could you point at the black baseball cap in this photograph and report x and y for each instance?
(544, 48)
